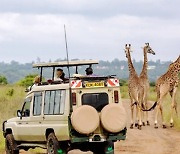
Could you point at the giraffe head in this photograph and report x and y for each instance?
(148, 49)
(127, 49)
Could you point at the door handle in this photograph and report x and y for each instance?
(19, 123)
(27, 123)
(43, 118)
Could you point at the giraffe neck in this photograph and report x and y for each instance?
(174, 71)
(145, 65)
(130, 66)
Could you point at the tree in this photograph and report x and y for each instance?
(3, 80)
(27, 81)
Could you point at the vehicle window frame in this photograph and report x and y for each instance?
(61, 101)
(37, 94)
(98, 108)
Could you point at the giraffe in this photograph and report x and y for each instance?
(144, 77)
(167, 83)
(135, 89)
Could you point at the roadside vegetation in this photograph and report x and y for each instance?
(12, 96)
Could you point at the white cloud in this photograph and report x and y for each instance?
(97, 30)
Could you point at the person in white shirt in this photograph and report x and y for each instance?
(59, 75)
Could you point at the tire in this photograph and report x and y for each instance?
(52, 144)
(103, 148)
(109, 147)
(11, 145)
(85, 119)
(113, 118)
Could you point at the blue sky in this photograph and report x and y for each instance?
(95, 29)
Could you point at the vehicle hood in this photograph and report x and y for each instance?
(13, 119)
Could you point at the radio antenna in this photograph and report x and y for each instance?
(67, 55)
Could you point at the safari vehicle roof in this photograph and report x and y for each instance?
(66, 64)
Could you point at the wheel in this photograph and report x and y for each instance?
(53, 144)
(11, 146)
(103, 148)
(109, 147)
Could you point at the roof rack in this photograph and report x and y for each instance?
(75, 63)
(66, 64)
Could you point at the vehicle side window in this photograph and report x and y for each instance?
(54, 102)
(37, 103)
(26, 107)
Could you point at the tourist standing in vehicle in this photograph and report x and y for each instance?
(89, 71)
(59, 75)
(36, 82)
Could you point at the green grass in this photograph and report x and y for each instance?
(11, 99)
(2, 145)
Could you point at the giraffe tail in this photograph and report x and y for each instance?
(176, 110)
(151, 108)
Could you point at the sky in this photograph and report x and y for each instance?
(96, 29)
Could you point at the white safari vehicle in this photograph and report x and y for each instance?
(81, 112)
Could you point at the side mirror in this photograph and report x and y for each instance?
(19, 114)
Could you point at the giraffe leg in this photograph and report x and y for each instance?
(163, 123)
(162, 91)
(132, 114)
(173, 105)
(140, 118)
(143, 115)
(137, 111)
(156, 115)
(146, 105)
(139, 105)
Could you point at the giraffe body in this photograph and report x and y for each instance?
(135, 89)
(167, 83)
(144, 76)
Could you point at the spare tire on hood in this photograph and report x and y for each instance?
(113, 117)
(85, 119)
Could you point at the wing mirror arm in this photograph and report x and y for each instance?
(19, 114)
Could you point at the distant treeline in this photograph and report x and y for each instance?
(15, 71)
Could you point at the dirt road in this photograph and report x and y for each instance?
(149, 140)
(145, 141)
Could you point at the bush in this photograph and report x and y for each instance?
(152, 84)
(27, 81)
(123, 82)
(3, 80)
(10, 92)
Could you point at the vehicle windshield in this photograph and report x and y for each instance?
(96, 100)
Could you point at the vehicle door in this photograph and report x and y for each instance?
(23, 130)
(35, 123)
(54, 112)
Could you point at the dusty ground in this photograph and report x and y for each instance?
(149, 140)
(146, 141)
